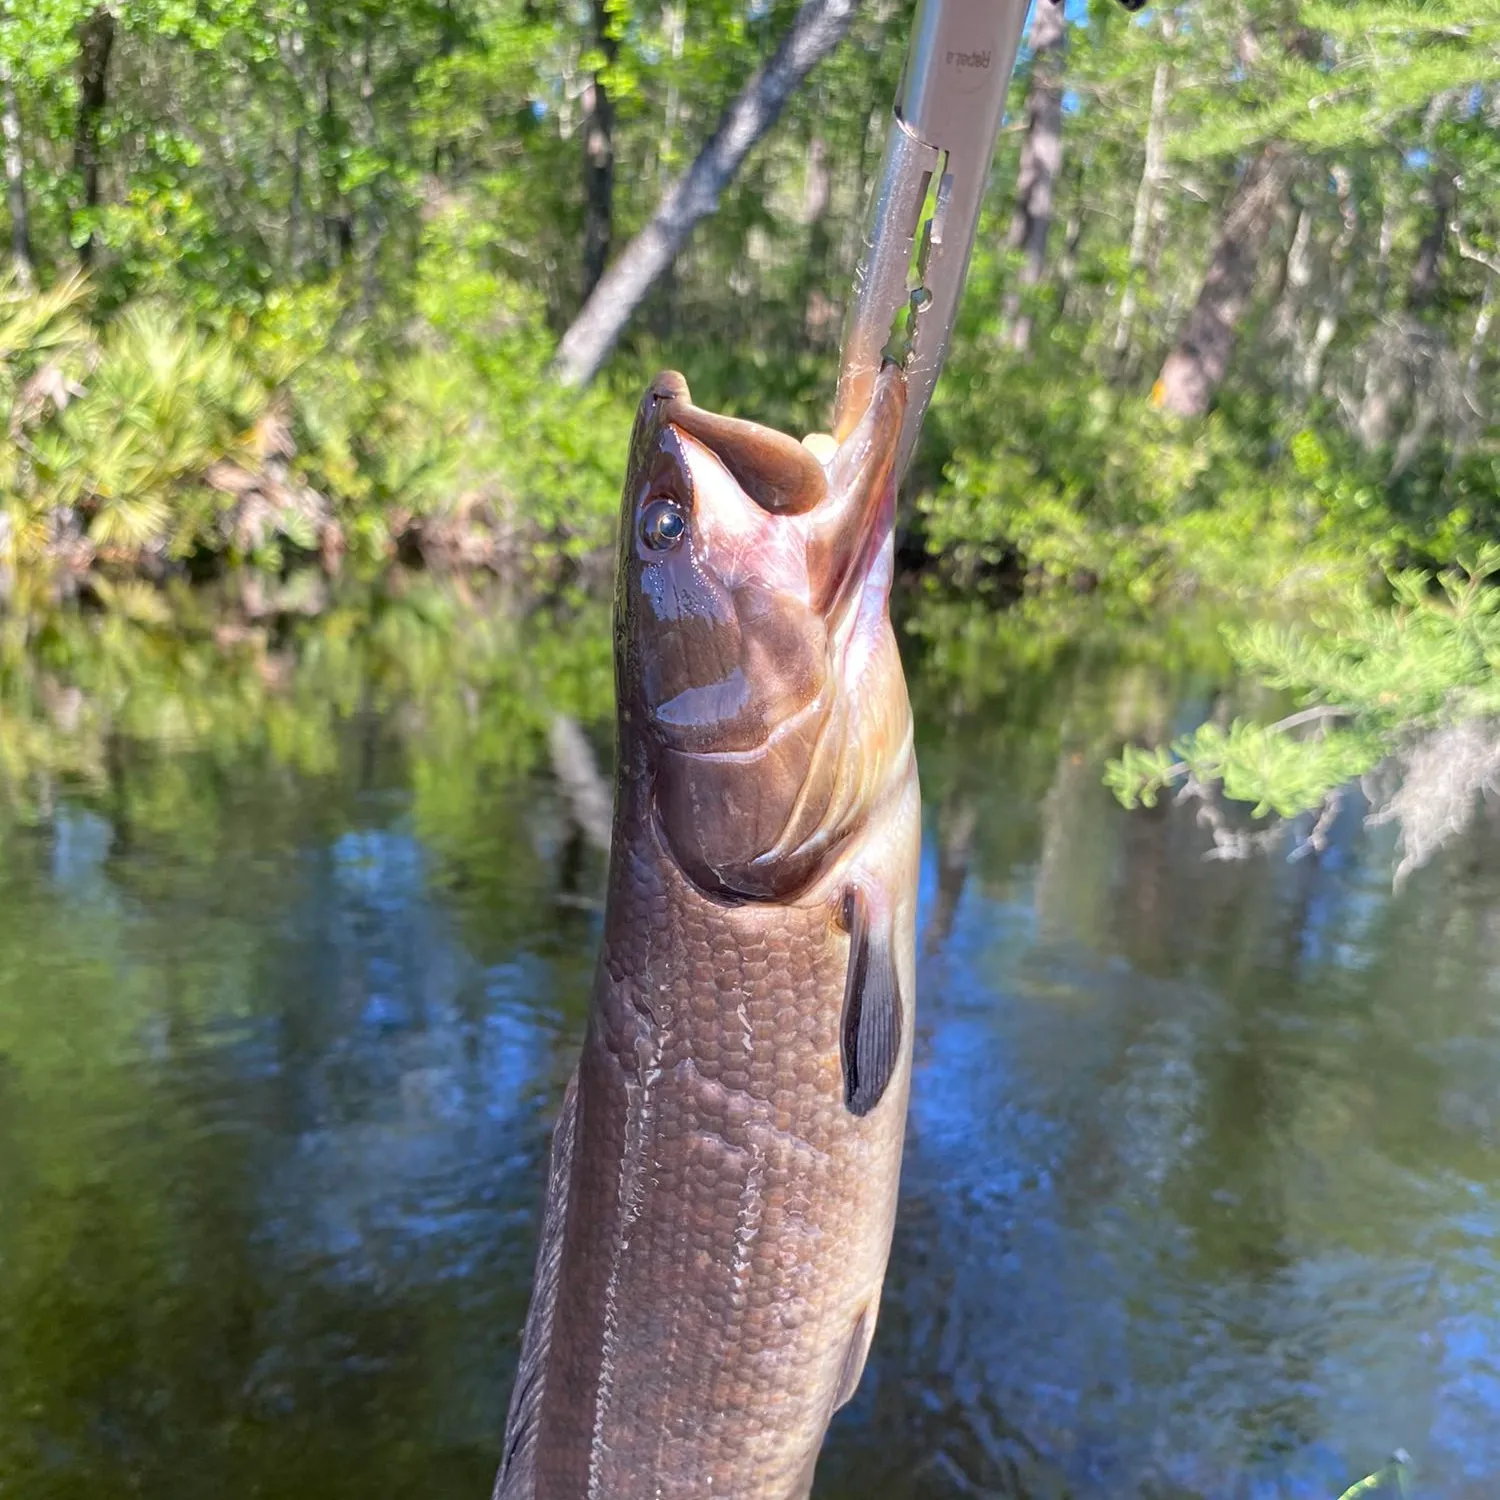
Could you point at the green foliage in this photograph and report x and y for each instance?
(336, 246)
(1067, 478)
(162, 405)
(1373, 680)
(378, 211)
(159, 437)
(43, 339)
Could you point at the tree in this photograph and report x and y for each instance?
(818, 28)
(1145, 204)
(96, 40)
(1200, 358)
(598, 155)
(15, 177)
(1041, 160)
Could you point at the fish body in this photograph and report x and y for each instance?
(725, 1167)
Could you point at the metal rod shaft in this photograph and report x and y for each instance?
(943, 128)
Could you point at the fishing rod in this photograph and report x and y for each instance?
(925, 207)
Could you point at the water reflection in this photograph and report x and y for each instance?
(296, 924)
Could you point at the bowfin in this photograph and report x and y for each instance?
(517, 1477)
(871, 1030)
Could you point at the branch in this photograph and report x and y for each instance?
(1317, 840)
(586, 792)
(816, 31)
(1311, 716)
(1470, 251)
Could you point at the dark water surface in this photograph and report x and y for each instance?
(1202, 1192)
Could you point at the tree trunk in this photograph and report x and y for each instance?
(1399, 364)
(1311, 373)
(674, 21)
(1471, 412)
(1067, 262)
(338, 224)
(1383, 253)
(1385, 389)
(598, 159)
(1296, 277)
(1041, 159)
(818, 28)
(1482, 321)
(820, 312)
(1145, 200)
(1197, 364)
(1426, 271)
(96, 40)
(294, 208)
(15, 181)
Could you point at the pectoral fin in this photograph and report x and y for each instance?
(871, 1029)
(854, 1358)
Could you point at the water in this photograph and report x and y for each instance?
(1202, 1195)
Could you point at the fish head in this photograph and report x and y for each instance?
(758, 684)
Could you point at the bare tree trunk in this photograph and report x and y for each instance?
(818, 28)
(1197, 364)
(1382, 392)
(1471, 413)
(1041, 160)
(338, 224)
(1067, 262)
(1482, 323)
(1399, 361)
(1145, 199)
(96, 40)
(294, 208)
(598, 159)
(1383, 253)
(820, 313)
(1424, 415)
(1311, 373)
(1296, 277)
(372, 220)
(1426, 271)
(15, 181)
(1385, 389)
(674, 19)
(289, 45)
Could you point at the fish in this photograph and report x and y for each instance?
(724, 1169)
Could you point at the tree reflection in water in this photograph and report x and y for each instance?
(296, 930)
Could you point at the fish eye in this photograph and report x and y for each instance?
(663, 525)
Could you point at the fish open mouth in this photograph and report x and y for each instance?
(759, 651)
(841, 512)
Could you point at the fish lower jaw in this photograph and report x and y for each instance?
(862, 631)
